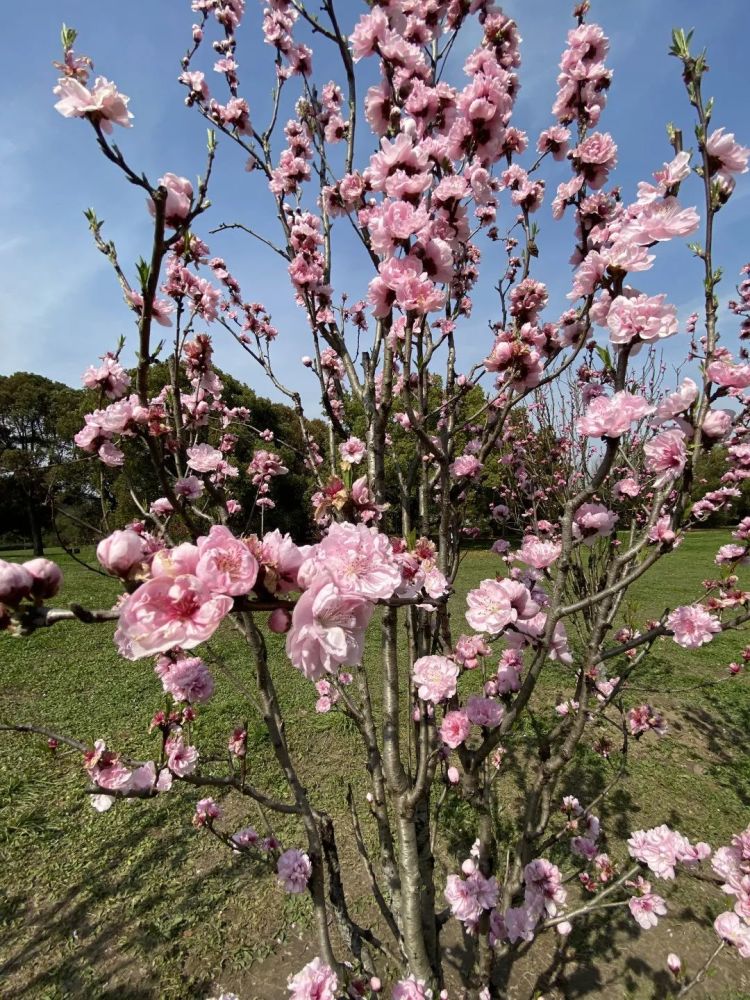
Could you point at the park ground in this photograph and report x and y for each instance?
(135, 903)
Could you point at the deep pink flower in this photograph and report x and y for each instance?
(178, 201)
(181, 758)
(455, 728)
(166, 612)
(352, 451)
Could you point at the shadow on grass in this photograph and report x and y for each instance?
(96, 939)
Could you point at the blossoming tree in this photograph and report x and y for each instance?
(430, 178)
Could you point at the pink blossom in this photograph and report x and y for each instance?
(466, 466)
(102, 104)
(496, 603)
(358, 559)
(186, 678)
(294, 870)
(674, 964)
(206, 810)
(110, 377)
(666, 456)
(628, 487)
(435, 677)
(191, 488)
(468, 650)
(692, 626)
(544, 888)
(317, 981)
(121, 552)
(455, 728)
(726, 157)
(735, 931)
(225, 565)
(538, 553)
(594, 158)
(612, 417)
(717, 424)
(661, 849)
(641, 317)
(411, 988)
(166, 612)
(178, 201)
(181, 758)
(663, 220)
(647, 907)
(484, 711)
(328, 629)
(520, 923)
(352, 451)
(204, 458)
(593, 520)
(729, 375)
(677, 402)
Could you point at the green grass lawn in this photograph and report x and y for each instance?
(136, 903)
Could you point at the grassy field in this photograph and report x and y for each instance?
(134, 903)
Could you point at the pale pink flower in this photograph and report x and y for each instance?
(178, 561)
(191, 488)
(206, 810)
(496, 603)
(102, 104)
(729, 375)
(520, 922)
(663, 220)
(166, 612)
(647, 907)
(435, 677)
(666, 456)
(736, 932)
(726, 157)
(611, 417)
(628, 487)
(294, 870)
(661, 849)
(352, 451)
(674, 964)
(226, 565)
(15, 583)
(317, 981)
(204, 458)
(677, 402)
(468, 650)
(178, 201)
(544, 888)
(641, 317)
(692, 626)
(538, 553)
(411, 988)
(455, 728)
(328, 629)
(466, 466)
(358, 559)
(181, 758)
(717, 424)
(110, 377)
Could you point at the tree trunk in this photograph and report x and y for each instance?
(34, 527)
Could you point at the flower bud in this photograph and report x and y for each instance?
(674, 964)
(15, 583)
(46, 577)
(279, 621)
(121, 552)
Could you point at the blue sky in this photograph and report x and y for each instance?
(60, 306)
